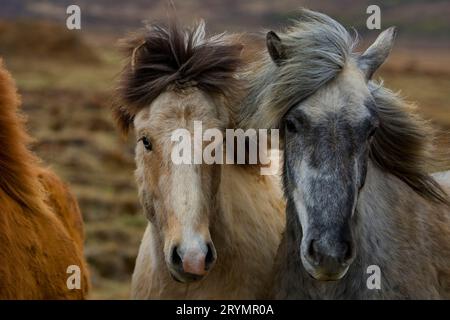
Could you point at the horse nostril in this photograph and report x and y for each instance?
(348, 251)
(175, 257)
(313, 252)
(210, 256)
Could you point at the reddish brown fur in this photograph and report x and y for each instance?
(41, 228)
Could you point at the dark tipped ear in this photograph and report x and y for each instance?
(377, 53)
(275, 47)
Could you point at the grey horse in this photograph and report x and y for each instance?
(365, 220)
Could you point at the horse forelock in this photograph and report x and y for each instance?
(317, 48)
(172, 57)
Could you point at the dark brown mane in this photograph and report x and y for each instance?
(403, 145)
(173, 56)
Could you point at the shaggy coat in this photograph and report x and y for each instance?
(176, 76)
(401, 216)
(41, 227)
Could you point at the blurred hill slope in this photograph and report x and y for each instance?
(424, 19)
(43, 40)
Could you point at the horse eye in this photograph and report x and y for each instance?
(290, 126)
(147, 144)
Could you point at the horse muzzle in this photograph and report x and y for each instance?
(191, 265)
(325, 261)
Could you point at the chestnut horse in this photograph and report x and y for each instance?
(213, 229)
(41, 228)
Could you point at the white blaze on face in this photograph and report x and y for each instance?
(187, 204)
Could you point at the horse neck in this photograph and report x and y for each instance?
(245, 201)
(221, 224)
(18, 166)
(388, 210)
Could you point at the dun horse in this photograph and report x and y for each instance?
(41, 228)
(213, 229)
(355, 170)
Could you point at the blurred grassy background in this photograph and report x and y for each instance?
(66, 80)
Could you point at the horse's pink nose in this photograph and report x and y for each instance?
(194, 263)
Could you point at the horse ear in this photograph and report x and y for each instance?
(377, 53)
(275, 47)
